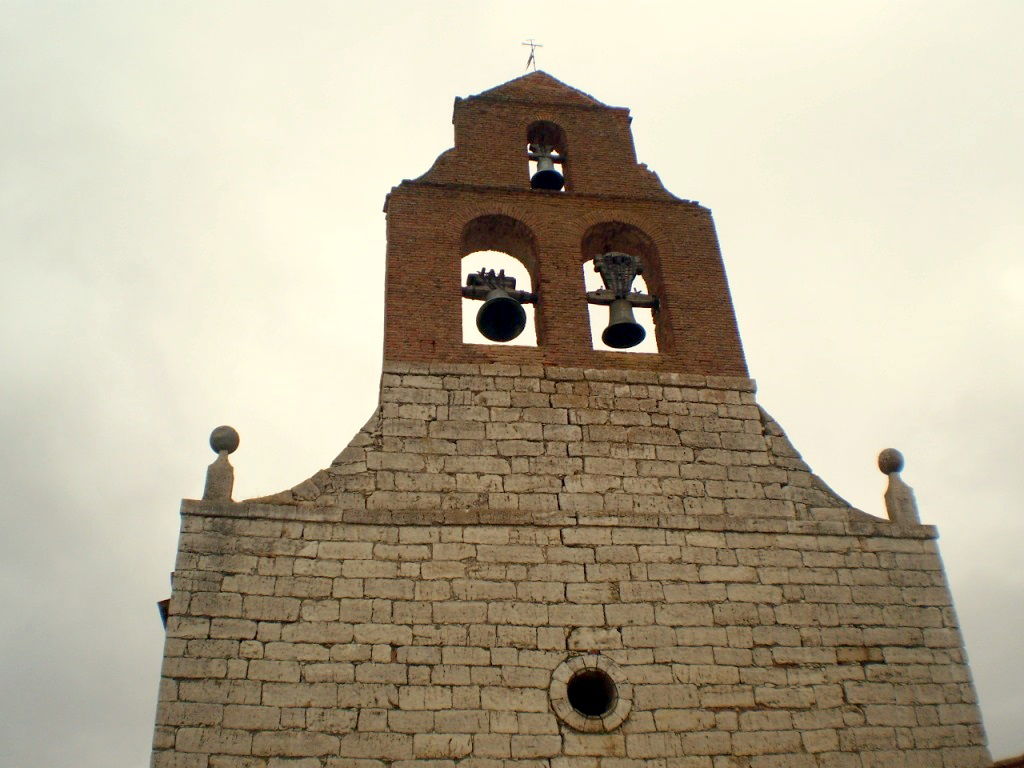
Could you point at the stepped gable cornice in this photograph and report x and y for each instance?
(539, 88)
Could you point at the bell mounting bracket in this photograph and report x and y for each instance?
(618, 271)
(480, 284)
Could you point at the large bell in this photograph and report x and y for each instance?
(547, 179)
(623, 331)
(501, 318)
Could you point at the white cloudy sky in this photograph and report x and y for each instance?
(191, 234)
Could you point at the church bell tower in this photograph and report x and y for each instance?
(562, 555)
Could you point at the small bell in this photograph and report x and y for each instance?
(546, 176)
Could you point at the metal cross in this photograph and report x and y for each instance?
(533, 58)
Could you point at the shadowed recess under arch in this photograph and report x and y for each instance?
(498, 232)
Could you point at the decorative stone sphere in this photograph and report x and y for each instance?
(890, 460)
(224, 438)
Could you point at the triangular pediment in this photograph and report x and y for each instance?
(539, 87)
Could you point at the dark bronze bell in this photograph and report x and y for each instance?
(547, 179)
(501, 318)
(623, 331)
(546, 176)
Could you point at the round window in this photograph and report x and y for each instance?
(590, 693)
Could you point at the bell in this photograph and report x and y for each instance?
(501, 318)
(546, 176)
(623, 331)
(547, 179)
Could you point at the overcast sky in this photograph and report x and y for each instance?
(191, 234)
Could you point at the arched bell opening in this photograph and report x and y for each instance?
(500, 319)
(622, 278)
(498, 266)
(546, 150)
(602, 317)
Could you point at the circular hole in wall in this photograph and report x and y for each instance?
(591, 692)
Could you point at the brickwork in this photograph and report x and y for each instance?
(485, 175)
(513, 521)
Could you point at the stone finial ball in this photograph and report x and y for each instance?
(224, 439)
(890, 460)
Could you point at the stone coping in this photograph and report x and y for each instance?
(488, 189)
(320, 514)
(561, 373)
(596, 107)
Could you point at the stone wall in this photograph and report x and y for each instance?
(532, 438)
(417, 604)
(420, 639)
